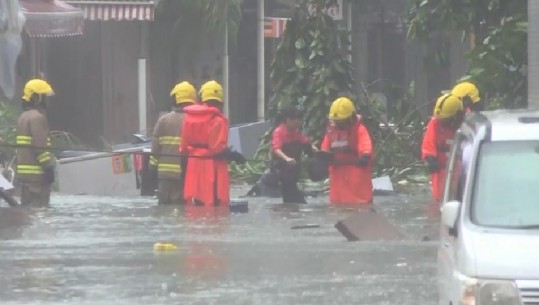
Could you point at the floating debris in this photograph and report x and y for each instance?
(307, 226)
(164, 247)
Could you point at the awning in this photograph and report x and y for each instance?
(51, 18)
(103, 10)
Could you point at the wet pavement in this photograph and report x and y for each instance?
(99, 250)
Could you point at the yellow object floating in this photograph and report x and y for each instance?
(164, 247)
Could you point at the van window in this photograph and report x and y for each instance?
(458, 170)
(506, 185)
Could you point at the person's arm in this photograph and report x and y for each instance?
(429, 152)
(218, 137)
(309, 147)
(156, 146)
(364, 145)
(39, 130)
(184, 138)
(325, 143)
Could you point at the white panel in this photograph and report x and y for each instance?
(96, 177)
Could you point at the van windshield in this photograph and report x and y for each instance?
(506, 188)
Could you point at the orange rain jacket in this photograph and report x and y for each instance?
(349, 183)
(204, 136)
(437, 143)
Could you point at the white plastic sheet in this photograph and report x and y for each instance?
(11, 24)
(5, 184)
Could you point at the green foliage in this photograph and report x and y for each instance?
(311, 66)
(311, 69)
(497, 31)
(9, 113)
(62, 140)
(398, 138)
(396, 129)
(200, 24)
(499, 63)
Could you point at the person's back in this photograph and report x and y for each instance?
(204, 142)
(166, 144)
(205, 131)
(167, 132)
(438, 137)
(35, 163)
(31, 128)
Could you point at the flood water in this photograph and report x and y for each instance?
(99, 250)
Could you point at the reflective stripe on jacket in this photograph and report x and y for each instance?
(166, 144)
(33, 131)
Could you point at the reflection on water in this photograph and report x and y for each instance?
(99, 250)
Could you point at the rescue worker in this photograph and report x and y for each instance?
(35, 163)
(350, 170)
(287, 146)
(165, 146)
(439, 134)
(204, 142)
(469, 94)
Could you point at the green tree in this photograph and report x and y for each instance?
(200, 24)
(497, 31)
(311, 69)
(311, 66)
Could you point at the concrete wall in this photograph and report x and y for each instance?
(75, 72)
(96, 83)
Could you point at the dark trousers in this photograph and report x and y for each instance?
(289, 177)
(170, 191)
(35, 194)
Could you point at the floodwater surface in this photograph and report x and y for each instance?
(99, 250)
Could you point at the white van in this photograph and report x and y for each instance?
(489, 243)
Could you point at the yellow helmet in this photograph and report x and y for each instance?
(447, 106)
(211, 90)
(184, 92)
(466, 89)
(36, 86)
(341, 109)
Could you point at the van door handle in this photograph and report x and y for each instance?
(446, 244)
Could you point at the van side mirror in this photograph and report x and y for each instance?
(450, 212)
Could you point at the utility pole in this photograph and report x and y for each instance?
(225, 68)
(261, 74)
(533, 54)
(349, 26)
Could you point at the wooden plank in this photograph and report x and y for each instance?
(368, 225)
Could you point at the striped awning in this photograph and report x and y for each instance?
(51, 18)
(116, 10)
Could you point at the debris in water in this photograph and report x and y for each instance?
(368, 225)
(239, 206)
(307, 226)
(164, 247)
(426, 238)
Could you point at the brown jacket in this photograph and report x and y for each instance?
(33, 131)
(166, 144)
